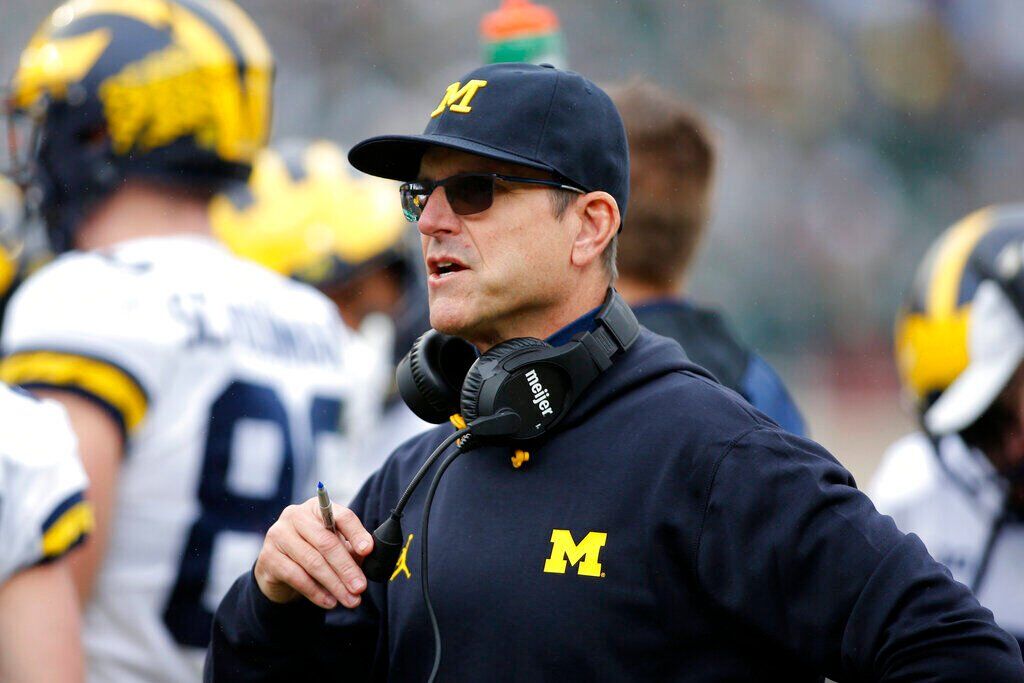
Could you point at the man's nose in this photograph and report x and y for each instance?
(437, 216)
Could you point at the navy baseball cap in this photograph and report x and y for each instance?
(536, 116)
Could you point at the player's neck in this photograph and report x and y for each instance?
(636, 292)
(141, 210)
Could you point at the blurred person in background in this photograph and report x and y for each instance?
(305, 214)
(672, 164)
(200, 386)
(958, 483)
(43, 516)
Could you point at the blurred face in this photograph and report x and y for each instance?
(501, 272)
(378, 291)
(999, 434)
(1009, 460)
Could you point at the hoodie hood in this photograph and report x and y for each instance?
(650, 357)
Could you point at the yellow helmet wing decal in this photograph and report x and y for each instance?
(50, 64)
(931, 342)
(930, 352)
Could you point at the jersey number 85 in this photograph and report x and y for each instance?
(228, 516)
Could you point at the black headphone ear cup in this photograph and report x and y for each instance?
(475, 378)
(430, 376)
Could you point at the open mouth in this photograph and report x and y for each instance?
(443, 268)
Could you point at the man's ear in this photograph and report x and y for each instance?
(599, 218)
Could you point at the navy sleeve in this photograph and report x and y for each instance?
(763, 387)
(254, 639)
(790, 549)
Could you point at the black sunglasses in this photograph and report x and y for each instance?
(467, 193)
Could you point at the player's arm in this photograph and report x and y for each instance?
(100, 447)
(67, 337)
(40, 639)
(45, 517)
(791, 548)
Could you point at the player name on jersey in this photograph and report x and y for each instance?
(258, 328)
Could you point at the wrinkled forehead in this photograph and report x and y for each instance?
(441, 162)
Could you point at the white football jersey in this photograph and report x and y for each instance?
(389, 423)
(42, 511)
(954, 500)
(345, 476)
(230, 385)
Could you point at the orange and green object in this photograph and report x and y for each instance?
(522, 31)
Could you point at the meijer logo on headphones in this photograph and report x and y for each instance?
(540, 394)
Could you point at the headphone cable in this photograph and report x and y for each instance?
(400, 506)
(387, 538)
(423, 560)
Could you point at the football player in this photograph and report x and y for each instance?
(200, 386)
(306, 214)
(42, 517)
(958, 483)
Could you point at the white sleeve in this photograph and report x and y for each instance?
(84, 324)
(905, 475)
(43, 513)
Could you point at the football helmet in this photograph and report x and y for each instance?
(177, 91)
(11, 217)
(23, 247)
(959, 335)
(304, 213)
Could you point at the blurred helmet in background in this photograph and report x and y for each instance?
(12, 211)
(959, 336)
(174, 91)
(23, 245)
(305, 214)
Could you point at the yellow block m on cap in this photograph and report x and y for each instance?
(457, 97)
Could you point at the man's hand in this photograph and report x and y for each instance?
(301, 557)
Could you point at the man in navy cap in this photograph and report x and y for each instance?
(661, 529)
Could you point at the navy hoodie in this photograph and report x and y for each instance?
(666, 531)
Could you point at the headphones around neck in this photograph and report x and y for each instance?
(442, 375)
(516, 392)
